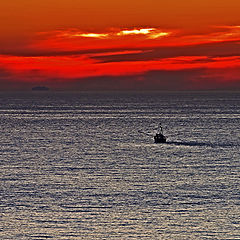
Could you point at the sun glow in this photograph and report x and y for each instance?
(151, 33)
(158, 35)
(135, 31)
(91, 35)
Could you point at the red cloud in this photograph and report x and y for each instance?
(122, 53)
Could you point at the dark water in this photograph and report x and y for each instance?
(74, 166)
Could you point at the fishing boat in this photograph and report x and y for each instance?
(159, 137)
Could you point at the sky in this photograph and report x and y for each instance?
(120, 45)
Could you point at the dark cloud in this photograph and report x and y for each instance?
(194, 79)
(214, 49)
(219, 49)
(151, 81)
(28, 52)
(4, 73)
(9, 82)
(154, 80)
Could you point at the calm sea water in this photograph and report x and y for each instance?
(74, 166)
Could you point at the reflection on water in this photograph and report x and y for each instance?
(74, 166)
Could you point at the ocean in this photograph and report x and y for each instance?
(84, 165)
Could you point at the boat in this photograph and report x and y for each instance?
(159, 137)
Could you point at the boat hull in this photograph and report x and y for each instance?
(159, 138)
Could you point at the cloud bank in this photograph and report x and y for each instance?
(145, 58)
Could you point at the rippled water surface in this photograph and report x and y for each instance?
(74, 166)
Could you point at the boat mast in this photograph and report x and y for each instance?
(160, 129)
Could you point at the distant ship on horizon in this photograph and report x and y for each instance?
(40, 88)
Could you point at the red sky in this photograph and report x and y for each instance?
(120, 45)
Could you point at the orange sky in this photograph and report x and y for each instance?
(105, 45)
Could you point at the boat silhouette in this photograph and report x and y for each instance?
(159, 137)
